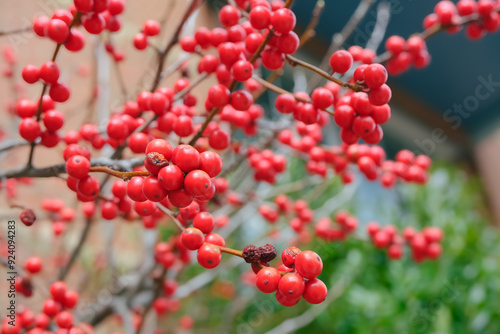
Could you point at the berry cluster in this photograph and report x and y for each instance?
(266, 164)
(360, 114)
(449, 15)
(423, 245)
(404, 53)
(347, 224)
(298, 213)
(57, 308)
(150, 28)
(295, 279)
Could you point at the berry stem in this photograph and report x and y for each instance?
(231, 251)
(280, 90)
(295, 61)
(310, 31)
(121, 175)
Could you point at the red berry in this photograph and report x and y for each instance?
(218, 96)
(29, 129)
(260, 17)
(192, 238)
(78, 166)
(64, 319)
(341, 61)
(151, 28)
(204, 221)
(288, 43)
(283, 300)
(288, 256)
(209, 256)
(380, 96)
(134, 189)
(57, 30)
(53, 120)
(34, 264)
(59, 92)
(197, 183)
(31, 74)
(283, 20)
(229, 16)
(84, 6)
(272, 59)
(180, 197)
(291, 286)
(211, 163)
(219, 140)
(315, 291)
(58, 290)
(25, 108)
(308, 264)
(153, 189)
(242, 70)
(94, 23)
(140, 41)
(268, 279)
(375, 75)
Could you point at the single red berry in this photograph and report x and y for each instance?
(209, 256)
(88, 186)
(315, 291)
(34, 264)
(288, 43)
(140, 41)
(395, 252)
(229, 16)
(291, 286)
(151, 28)
(260, 17)
(109, 210)
(51, 308)
(272, 58)
(341, 61)
(78, 166)
(29, 129)
(308, 264)
(134, 189)
(283, 300)
(57, 290)
(322, 98)
(53, 120)
(267, 279)
(211, 163)
(153, 189)
(64, 319)
(219, 140)
(197, 183)
(84, 6)
(180, 197)
(204, 221)
(31, 74)
(242, 70)
(57, 30)
(288, 256)
(59, 92)
(70, 299)
(380, 96)
(146, 208)
(283, 20)
(375, 75)
(192, 238)
(218, 96)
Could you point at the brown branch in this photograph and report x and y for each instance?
(231, 251)
(171, 215)
(310, 31)
(74, 254)
(294, 61)
(55, 170)
(162, 56)
(158, 289)
(121, 175)
(15, 31)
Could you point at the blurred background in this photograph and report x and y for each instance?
(448, 111)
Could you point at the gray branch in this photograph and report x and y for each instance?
(56, 170)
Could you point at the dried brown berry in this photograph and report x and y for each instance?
(268, 253)
(251, 254)
(156, 159)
